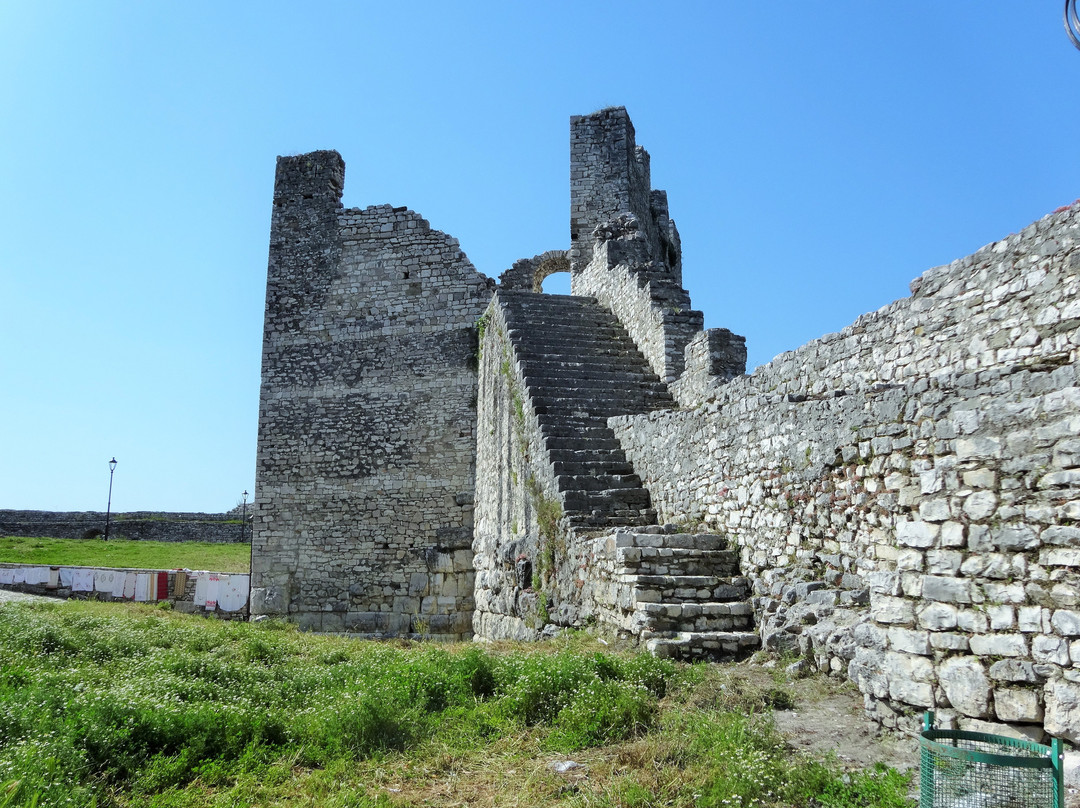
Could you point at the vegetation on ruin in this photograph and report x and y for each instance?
(154, 555)
(125, 705)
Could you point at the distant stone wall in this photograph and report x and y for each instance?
(906, 492)
(136, 526)
(217, 594)
(367, 420)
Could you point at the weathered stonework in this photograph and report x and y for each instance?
(897, 503)
(367, 421)
(904, 491)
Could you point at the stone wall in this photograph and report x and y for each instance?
(136, 526)
(905, 492)
(514, 484)
(367, 420)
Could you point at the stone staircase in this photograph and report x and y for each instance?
(684, 596)
(688, 599)
(580, 367)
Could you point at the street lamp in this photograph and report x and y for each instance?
(243, 518)
(108, 508)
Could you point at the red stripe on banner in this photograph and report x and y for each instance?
(162, 586)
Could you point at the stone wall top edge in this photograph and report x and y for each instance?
(1037, 231)
(180, 516)
(1064, 216)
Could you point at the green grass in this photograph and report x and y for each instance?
(123, 553)
(124, 705)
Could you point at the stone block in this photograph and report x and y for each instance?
(966, 685)
(1002, 617)
(949, 641)
(1049, 649)
(890, 610)
(917, 534)
(1062, 718)
(943, 562)
(999, 645)
(1061, 535)
(946, 590)
(1014, 670)
(937, 616)
(1015, 537)
(1066, 622)
(971, 620)
(952, 535)
(980, 505)
(1029, 618)
(907, 641)
(978, 448)
(909, 560)
(934, 510)
(980, 478)
(910, 679)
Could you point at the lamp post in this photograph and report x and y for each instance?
(108, 508)
(243, 518)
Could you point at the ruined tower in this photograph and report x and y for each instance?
(367, 421)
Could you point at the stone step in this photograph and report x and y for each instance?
(618, 382)
(712, 645)
(581, 363)
(607, 406)
(609, 353)
(677, 561)
(583, 445)
(600, 520)
(594, 467)
(689, 588)
(617, 499)
(597, 482)
(692, 541)
(658, 618)
(552, 427)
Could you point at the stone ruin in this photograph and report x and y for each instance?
(899, 503)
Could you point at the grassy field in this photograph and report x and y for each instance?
(160, 555)
(126, 705)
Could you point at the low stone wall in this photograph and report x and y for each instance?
(906, 493)
(136, 526)
(223, 595)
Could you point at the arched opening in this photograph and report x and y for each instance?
(554, 265)
(557, 283)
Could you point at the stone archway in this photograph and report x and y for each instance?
(551, 262)
(528, 274)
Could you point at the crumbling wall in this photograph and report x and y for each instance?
(625, 249)
(905, 492)
(367, 421)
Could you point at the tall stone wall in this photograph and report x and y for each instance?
(367, 420)
(906, 492)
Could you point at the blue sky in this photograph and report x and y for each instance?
(817, 157)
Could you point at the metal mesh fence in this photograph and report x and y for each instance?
(961, 769)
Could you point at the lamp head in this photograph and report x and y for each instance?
(112, 465)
